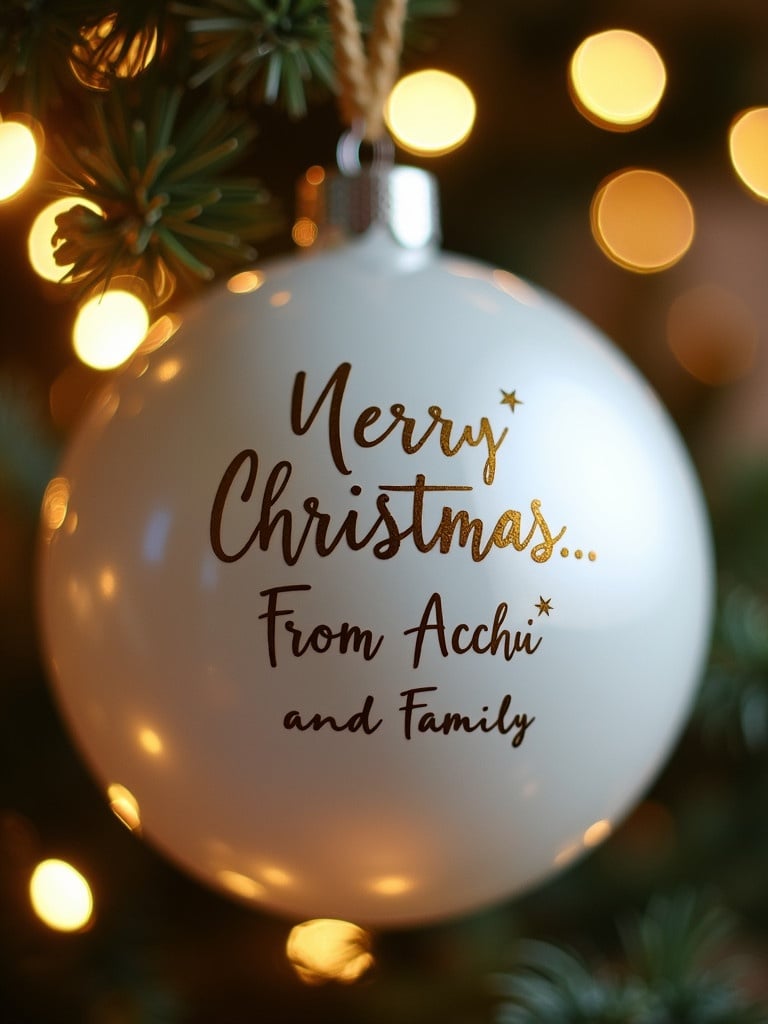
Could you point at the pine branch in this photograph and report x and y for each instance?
(169, 210)
(278, 51)
(668, 978)
(733, 702)
(36, 43)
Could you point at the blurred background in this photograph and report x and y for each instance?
(646, 212)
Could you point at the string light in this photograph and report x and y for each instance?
(304, 232)
(642, 220)
(617, 79)
(61, 897)
(124, 806)
(103, 53)
(430, 112)
(748, 149)
(109, 328)
(40, 247)
(329, 950)
(18, 155)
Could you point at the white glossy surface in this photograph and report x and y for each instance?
(159, 647)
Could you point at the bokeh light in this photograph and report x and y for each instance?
(617, 79)
(60, 895)
(391, 885)
(329, 950)
(103, 53)
(18, 155)
(109, 328)
(712, 334)
(55, 503)
(124, 806)
(246, 281)
(40, 247)
(748, 147)
(642, 220)
(597, 832)
(430, 112)
(150, 742)
(304, 232)
(161, 331)
(240, 885)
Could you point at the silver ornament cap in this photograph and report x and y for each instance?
(349, 201)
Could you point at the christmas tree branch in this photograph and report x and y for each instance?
(670, 975)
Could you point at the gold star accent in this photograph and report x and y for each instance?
(510, 399)
(544, 605)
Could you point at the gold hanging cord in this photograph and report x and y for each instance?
(365, 82)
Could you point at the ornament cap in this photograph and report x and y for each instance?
(403, 200)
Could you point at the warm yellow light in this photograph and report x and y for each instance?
(150, 742)
(617, 79)
(18, 154)
(102, 53)
(168, 369)
(240, 885)
(161, 331)
(391, 885)
(109, 328)
(107, 582)
(596, 833)
(712, 334)
(245, 281)
(60, 896)
(40, 247)
(55, 503)
(276, 876)
(430, 112)
(315, 175)
(642, 220)
(304, 232)
(280, 299)
(326, 949)
(748, 146)
(124, 806)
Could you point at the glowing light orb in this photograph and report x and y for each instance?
(748, 148)
(326, 949)
(102, 53)
(60, 895)
(109, 328)
(18, 155)
(642, 220)
(40, 247)
(617, 79)
(124, 806)
(430, 112)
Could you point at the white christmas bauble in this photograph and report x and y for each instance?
(380, 591)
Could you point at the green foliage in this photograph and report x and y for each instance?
(554, 986)
(733, 702)
(279, 51)
(734, 699)
(169, 209)
(272, 49)
(36, 41)
(668, 977)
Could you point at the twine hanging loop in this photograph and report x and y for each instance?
(366, 81)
